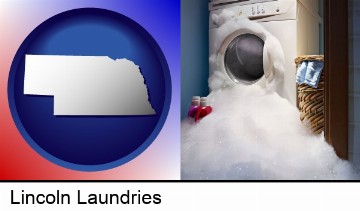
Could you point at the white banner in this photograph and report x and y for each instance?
(179, 196)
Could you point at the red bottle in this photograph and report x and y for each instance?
(203, 110)
(195, 104)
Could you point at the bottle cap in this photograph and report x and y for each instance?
(195, 100)
(204, 101)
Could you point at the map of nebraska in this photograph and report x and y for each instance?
(88, 85)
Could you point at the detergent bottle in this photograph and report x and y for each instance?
(203, 110)
(195, 103)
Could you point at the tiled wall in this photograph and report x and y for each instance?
(354, 81)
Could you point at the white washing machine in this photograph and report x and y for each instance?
(295, 23)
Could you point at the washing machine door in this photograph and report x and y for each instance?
(242, 56)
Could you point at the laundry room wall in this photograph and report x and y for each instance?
(194, 51)
(354, 82)
(321, 30)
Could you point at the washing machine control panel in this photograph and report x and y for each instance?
(259, 11)
(264, 9)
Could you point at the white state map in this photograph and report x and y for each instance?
(88, 85)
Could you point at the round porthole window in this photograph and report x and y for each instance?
(244, 59)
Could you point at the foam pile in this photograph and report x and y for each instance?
(255, 134)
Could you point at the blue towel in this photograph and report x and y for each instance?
(313, 73)
(301, 72)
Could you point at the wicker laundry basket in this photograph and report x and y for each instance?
(311, 101)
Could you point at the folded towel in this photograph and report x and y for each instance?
(301, 72)
(313, 73)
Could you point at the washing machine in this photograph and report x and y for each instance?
(295, 24)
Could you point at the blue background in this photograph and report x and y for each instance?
(194, 51)
(90, 143)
